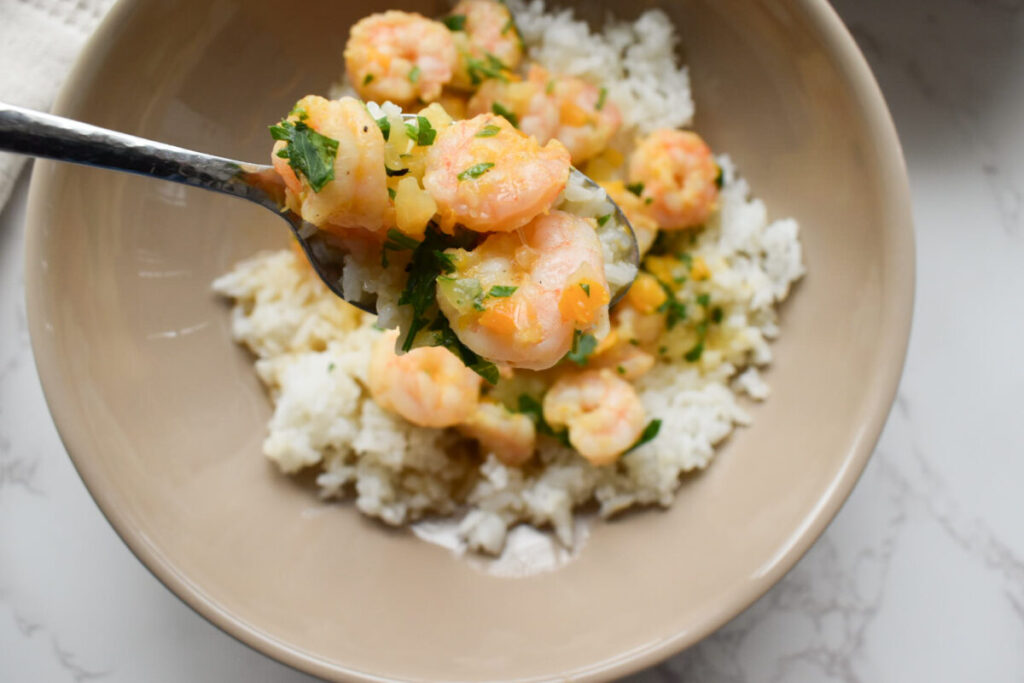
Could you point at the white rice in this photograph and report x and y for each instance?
(313, 349)
(635, 61)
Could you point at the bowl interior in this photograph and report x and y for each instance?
(163, 414)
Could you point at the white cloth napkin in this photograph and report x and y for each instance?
(39, 41)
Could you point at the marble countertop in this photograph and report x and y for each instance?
(919, 578)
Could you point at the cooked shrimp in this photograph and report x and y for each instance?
(489, 177)
(356, 196)
(518, 297)
(638, 319)
(644, 226)
(586, 119)
(536, 113)
(510, 436)
(428, 386)
(678, 175)
(568, 109)
(602, 412)
(484, 33)
(628, 361)
(399, 56)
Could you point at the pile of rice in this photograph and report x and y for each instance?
(313, 350)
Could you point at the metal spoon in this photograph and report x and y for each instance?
(25, 131)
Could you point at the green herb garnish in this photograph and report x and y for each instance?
(674, 309)
(550, 87)
(395, 172)
(400, 240)
(704, 299)
(385, 127)
(694, 354)
(391, 193)
(476, 170)
(455, 22)
(636, 188)
(720, 178)
(396, 241)
(650, 431)
(501, 291)
(716, 314)
(330, 367)
(421, 285)
(602, 95)
(444, 336)
(414, 74)
(583, 346)
(603, 219)
(489, 67)
(422, 133)
(500, 110)
(307, 152)
(368, 79)
(488, 131)
(585, 287)
(533, 409)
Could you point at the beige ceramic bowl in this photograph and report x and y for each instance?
(163, 414)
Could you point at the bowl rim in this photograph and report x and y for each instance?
(842, 48)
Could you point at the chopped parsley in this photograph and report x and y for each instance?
(550, 87)
(421, 287)
(650, 431)
(396, 241)
(602, 95)
(583, 346)
(385, 127)
(299, 112)
(455, 22)
(414, 74)
(307, 152)
(715, 316)
(719, 179)
(488, 131)
(330, 367)
(391, 193)
(636, 188)
(674, 309)
(534, 410)
(585, 287)
(368, 79)
(500, 110)
(421, 132)
(501, 291)
(694, 354)
(395, 172)
(509, 25)
(603, 219)
(476, 170)
(444, 336)
(621, 370)
(489, 67)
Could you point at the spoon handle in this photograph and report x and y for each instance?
(34, 133)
